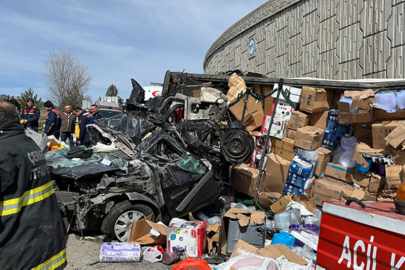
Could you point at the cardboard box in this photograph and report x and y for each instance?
(271, 251)
(283, 148)
(382, 115)
(362, 148)
(266, 199)
(140, 232)
(283, 109)
(309, 138)
(324, 156)
(302, 167)
(294, 93)
(340, 172)
(278, 128)
(361, 101)
(399, 157)
(277, 168)
(331, 189)
(253, 113)
(245, 179)
(188, 235)
(320, 198)
(236, 86)
(363, 133)
(362, 180)
(370, 196)
(281, 205)
(298, 119)
(244, 218)
(213, 231)
(319, 119)
(268, 101)
(397, 136)
(377, 182)
(257, 90)
(330, 140)
(291, 134)
(393, 176)
(298, 180)
(381, 130)
(314, 100)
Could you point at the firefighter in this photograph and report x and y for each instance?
(31, 227)
(53, 121)
(30, 115)
(83, 118)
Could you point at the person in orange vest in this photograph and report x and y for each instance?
(52, 122)
(31, 228)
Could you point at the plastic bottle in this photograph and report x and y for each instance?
(344, 160)
(202, 216)
(401, 99)
(213, 220)
(170, 257)
(336, 154)
(295, 216)
(348, 144)
(387, 99)
(332, 119)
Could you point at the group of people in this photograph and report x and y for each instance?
(69, 125)
(15, 101)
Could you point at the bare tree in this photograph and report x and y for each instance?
(66, 79)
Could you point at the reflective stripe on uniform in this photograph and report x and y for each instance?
(53, 262)
(29, 197)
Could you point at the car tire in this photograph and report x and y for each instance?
(118, 223)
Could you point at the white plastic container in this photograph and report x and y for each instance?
(282, 221)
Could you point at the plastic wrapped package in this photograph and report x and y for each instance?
(401, 99)
(348, 144)
(250, 261)
(120, 252)
(307, 155)
(344, 159)
(336, 154)
(386, 100)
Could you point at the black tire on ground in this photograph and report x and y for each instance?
(120, 209)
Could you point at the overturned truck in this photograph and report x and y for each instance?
(163, 158)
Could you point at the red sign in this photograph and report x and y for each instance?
(156, 93)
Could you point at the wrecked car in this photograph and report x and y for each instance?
(165, 157)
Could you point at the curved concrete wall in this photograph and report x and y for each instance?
(332, 39)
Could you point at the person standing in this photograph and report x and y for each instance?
(67, 128)
(84, 119)
(95, 112)
(52, 122)
(15, 103)
(31, 227)
(30, 115)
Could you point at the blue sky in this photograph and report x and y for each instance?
(116, 40)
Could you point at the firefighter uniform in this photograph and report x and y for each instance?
(31, 228)
(31, 114)
(84, 119)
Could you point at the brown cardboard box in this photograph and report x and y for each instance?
(257, 90)
(236, 86)
(382, 115)
(324, 156)
(276, 173)
(340, 172)
(399, 157)
(253, 121)
(363, 133)
(272, 251)
(381, 130)
(283, 148)
(214, 232)
(331, 189)
(281, 205)
(244, 179)
(309, 138)
(362, 180)
(397, 136)
(362, 148)
(252, 107)
(314, 100)
(140, 232)
(370, 196)
(291, 134)
(268, 101)
(298, 120)
(319, 119)
(337, 94)
(320, 198)
(362, 100)
(392, 175)
(244, 218)
(377, 182)
(264, 201)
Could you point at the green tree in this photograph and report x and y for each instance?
(112, 91)
(29, 93)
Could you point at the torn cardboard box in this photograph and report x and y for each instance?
(381, 130)
(319, 119)
(397, 136)
(309, 138)
(237, 87)
(241, 224)
(363, 133)
(377, 183)
(272, 251)
(245, 179)
(213, 236)
(359, 102)
(325, 190)
(266, 199)
(314, 100)
(340, 172)
(253, 113)
(362, 148)
(283, 148)
(362, 180)
(324, 156)
(281, 205)
(277, 168)
(393, 176)
(291, 134)
(268, 101)
(298, 120)
(146, 232)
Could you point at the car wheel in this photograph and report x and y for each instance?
(118, 222)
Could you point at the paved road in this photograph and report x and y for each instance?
(84, 254)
